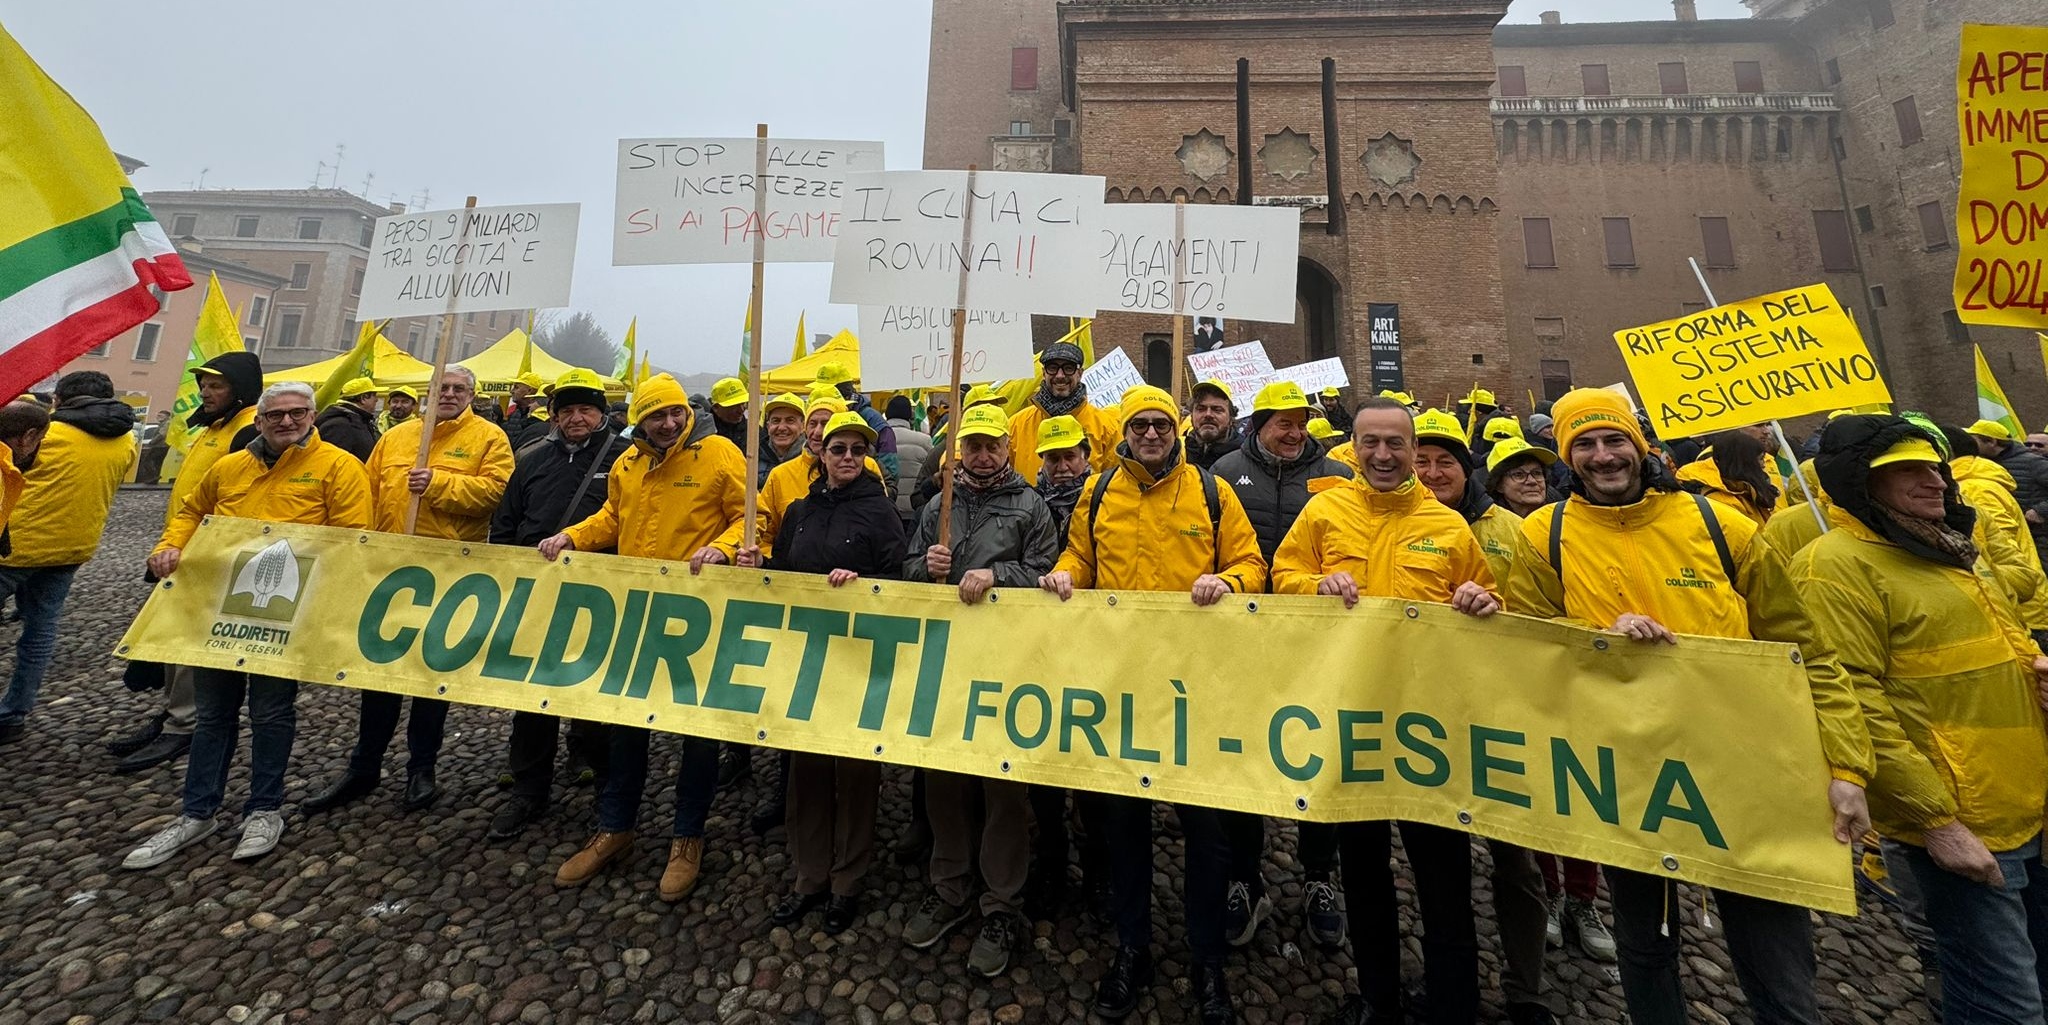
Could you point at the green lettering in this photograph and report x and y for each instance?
(1350, 744)
(976, 708)
(660, 648)
(1276, 742)
(1127, 745)
(1044, 700)
(499, 661)
(736, 649)
(1404, 731)
(818, 626)
(443, 655)
(931, 671)
(1566, 770)
(1675, 776)
(887, 633)
(1485, 761)
(625, 647)
(370, 638)
(574, 602)
(1086, 723)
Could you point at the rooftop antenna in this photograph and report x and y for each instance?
(367, 179)
(202, 176)
(319, 170)
(339, 150)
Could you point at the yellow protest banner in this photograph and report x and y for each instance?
(1775, 356)
(2002, 210)
(1699, 761)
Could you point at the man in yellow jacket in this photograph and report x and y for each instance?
(1061, 393)
(1155, 522)
(224, 423)
(1385, 535)
(1642, 558)
(469, 463)
(68, 490)
(287, 475)
(1905, 602)
(680, 493)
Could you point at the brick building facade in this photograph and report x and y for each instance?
(1521, 191)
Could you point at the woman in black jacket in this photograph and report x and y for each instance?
(846, 528)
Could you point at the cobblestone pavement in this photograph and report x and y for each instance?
(371, 914)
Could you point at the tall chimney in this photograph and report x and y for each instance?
(1552, 18)
(1687, 10)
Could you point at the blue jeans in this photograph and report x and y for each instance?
(1990, 941)
(618, 802)
(273, 723)
(39, 593)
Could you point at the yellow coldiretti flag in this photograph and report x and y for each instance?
(526, 354)
(215, 333)
(646, 370)
(1991, 401)
(351, 366)
(2043, 339)
(802, 347)
(622, 368)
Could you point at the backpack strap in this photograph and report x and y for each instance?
(1095, 500)
(1215, 501)
(1557, 539)
(1720, 539)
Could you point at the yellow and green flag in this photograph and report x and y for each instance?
(1992, 404)
(216, 332)
(802, 347)
(622, 368)
(357, 363)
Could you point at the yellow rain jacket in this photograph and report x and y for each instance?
(1944, 667)
(1395, 544)
(472, 460)
(1656, 558)
(1347, 454)
(1155, 534)
(312, 482)
(1791, 534)
(789, 481)
(669, 505)
(1522, 587)
(2002, 534)
(1733, 497)
(1101, 426)
(11, 484)
(208, 446)
(63, 509)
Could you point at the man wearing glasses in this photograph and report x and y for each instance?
(468, 466)
(1061, 393)
(287, 475)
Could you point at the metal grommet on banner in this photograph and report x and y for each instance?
(543, 704)
(1301, 804)
(878, 750)
(1006, 765)
(1600, 644)
(565, 560)
(167, 585)
(1795, 656)
(650, 720)
(338, 677)
(442, 689)
(266, 529)
(1464, 818)
(664, 571)
(123, 650)
(1145, 782)
(992, 597)
(875, 589)
(465, 549)
(766, 579)
(1251, 606)
(760, 734)
(241, 661)
(1670, 863)
(1112, 599)
(1413, 612)
(362, 539)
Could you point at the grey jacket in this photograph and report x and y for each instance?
(1273, 493)
(913, 454)
(1007, 528)
(2030, 472)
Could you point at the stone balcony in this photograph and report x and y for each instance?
(1691, 103)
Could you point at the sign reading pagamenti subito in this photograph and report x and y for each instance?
(1699, 762)
(1772, 357)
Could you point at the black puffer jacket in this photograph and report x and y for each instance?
(1846, 448)
(1008, 529)
(546, 478)
(1204, 455)
(854, 527)
(1274, 492)
(101, 418)
(2030, 471)
(346, 425)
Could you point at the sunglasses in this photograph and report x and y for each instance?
(278, 416)
(847, 451)
(1160, 427)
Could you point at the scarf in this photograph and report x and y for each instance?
(1060, 407)
(1060, 496)
(1003, 474)
(1943, 539)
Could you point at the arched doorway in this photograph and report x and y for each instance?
(1158, 361)
(1315, 297)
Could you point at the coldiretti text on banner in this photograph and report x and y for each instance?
(2002, 210)
(1700, 762)
(1780, 355)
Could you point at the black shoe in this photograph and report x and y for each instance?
(793, 906)
(164, 748)
(578, 771)
(840, 913)
(11, 731)
(1530, 1014)
(128, 744)
(420, 790)
(768, 816)
(1117, 994)
(348, 789)
(513, 817)
(914, 847)
(1354, 1012)
(1046, 894)
(734, 765)
(1212, 997)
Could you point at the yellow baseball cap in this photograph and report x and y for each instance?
(849, 421)
(532, 380)
(1216, 386)
(835, 373)
(1911, 450)
(729, 391)
(1515, 448)
(1983, 429)
(1331, 392)
(986, 420)
(1479, 396)
(579, 378)
(1435, 423)
(1278, 396)
(1501, 428)
(358, 386)
(788, 399)
(979, 394)
(1398, 396)
(405, 391)
(1058, 432)
(1320, 429)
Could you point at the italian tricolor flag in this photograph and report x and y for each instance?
(81, 259)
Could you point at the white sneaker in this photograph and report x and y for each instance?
(260, 835)
(168, 841)
(1592, 933)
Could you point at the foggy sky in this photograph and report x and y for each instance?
(519, 103)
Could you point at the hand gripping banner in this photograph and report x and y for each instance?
(1699, 762)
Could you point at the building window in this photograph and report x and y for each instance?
(1514, 81)
(1881, 14)
(1877, 299)
(469, 318)
(145, 343)
(355, 282)
(302, 275)
(1933, 226)
(1024, 69)
(1557, 377)
(288, 330)
(183, 225)
(1020, 128)
(1866, 222)
(1749, 77)
(1536, 248)
(245, 227)
(1958, 332)
(1834, 71)
(1593, 78)
(368, 236)
(1837, 252)
(251, 342)
(259, 308)
(1550, 330)
(99, 351)
(1719, 245)
(1671, 78)
(348, 331)
(1908, 115)
(309, 228)
(1621, 243)
(412, 339)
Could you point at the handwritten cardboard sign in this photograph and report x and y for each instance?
(1244, 369)
(912, 347)
(902, 241)
(692, 200)
(1110, 377)
(1238, 262)
(1775, 356)
(2002, 210)
(510, 258)
(1316, 376)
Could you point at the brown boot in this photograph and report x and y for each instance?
(684, 857)
(601, 850)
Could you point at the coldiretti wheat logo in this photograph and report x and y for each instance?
(1492, 546)
(1689, 578)
(1195, 532)
(1427, 546)
(304, 478)
(268, 583)
(458, 453)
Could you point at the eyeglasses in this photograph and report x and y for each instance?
(1525, 474)
(1160, 427)
(1061, 369)
(847, 451)
(278, 416)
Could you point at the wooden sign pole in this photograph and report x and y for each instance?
(430, 415)
(1180, 273)
(953, 390)
(754, 337)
